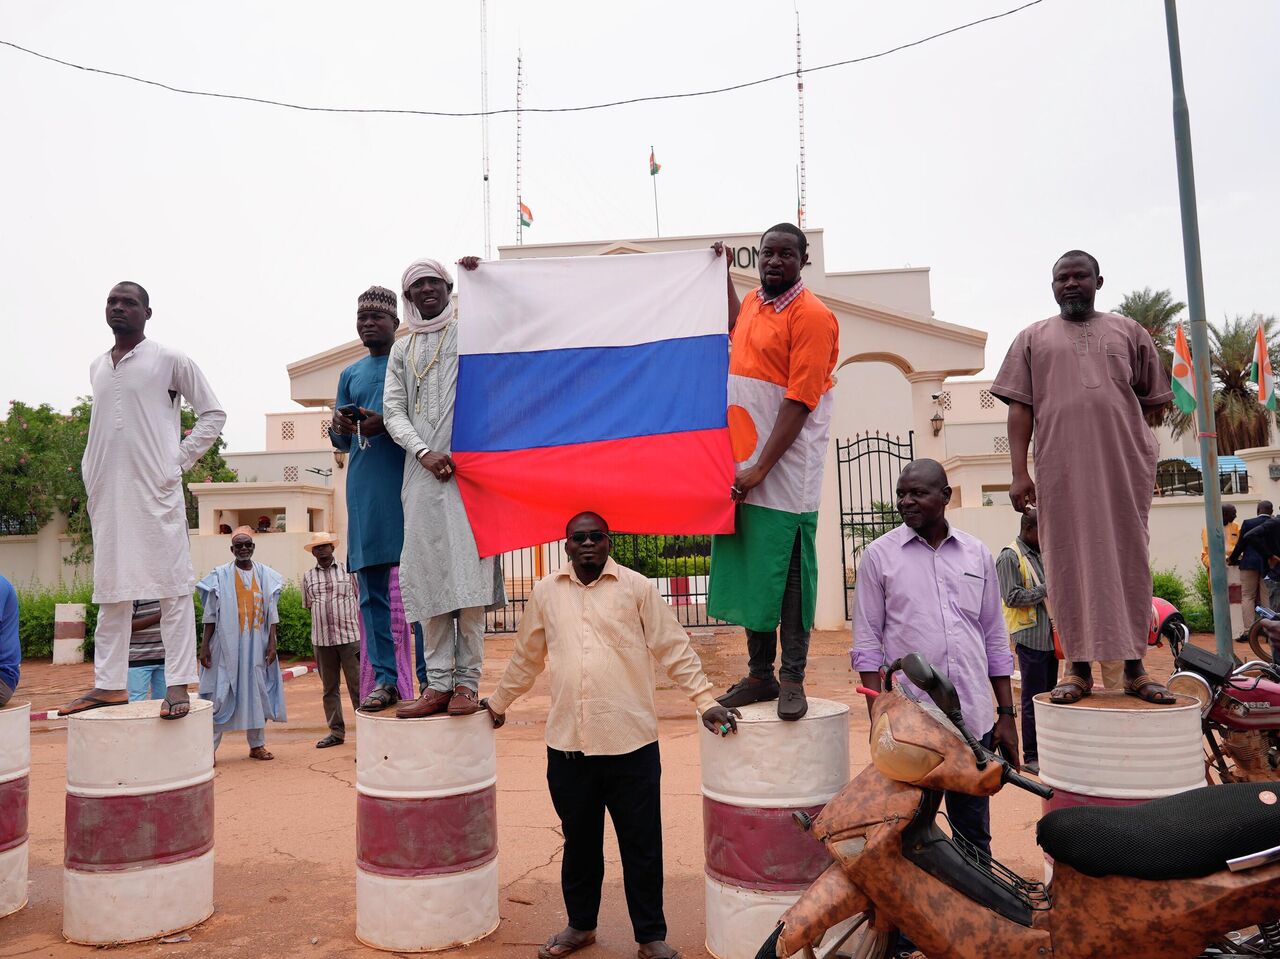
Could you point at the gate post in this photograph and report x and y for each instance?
(923, 406)
(830, 612)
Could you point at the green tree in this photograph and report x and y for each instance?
(1156, 312)
(40, 453)
(1239, 419)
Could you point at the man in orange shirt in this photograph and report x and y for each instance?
(785, 344)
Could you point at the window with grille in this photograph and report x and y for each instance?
(291, 474)
(286, 430)
(1001, 444)
(986, 400)
(945, 400)
(324, 429)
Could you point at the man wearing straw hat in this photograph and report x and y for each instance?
(329, 591)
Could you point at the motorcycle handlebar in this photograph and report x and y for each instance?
(1030, 785)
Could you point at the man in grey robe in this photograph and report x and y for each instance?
(1084, 381)
(441, 572)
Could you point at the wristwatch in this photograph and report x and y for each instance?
(1006, 711)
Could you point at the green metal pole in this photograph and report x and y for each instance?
(1205, 420)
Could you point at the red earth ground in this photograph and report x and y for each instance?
(285, 840)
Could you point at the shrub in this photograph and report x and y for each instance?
(35, 617)
(293, 634)
(1199, 619)
(681, 566)
(1168, 585)
(641, 553)
(1204, 592)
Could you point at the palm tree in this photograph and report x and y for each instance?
(1240, 420)
(1157, 313)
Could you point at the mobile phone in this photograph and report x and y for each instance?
(352, 412)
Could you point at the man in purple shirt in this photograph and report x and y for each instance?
(929, 589)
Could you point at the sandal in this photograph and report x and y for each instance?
(174, 709)
(644, 952)
(1072, 689)
(260, 752)
(1149, 690)
(331, 740)
(379, 698)
(91, 702)
(559, 945)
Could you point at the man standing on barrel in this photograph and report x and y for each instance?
(1084, 381)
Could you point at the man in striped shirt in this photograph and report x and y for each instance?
(329, 591)
(146, 652)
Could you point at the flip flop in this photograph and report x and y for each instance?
(1149, 690)
(669, 954)
(1072, 689)
(174, 706)
(263, 756)
(330, 740)
(379, 698)
(557, 948)
(93, 703)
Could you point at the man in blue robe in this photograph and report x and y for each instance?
(239, 672)
(375, 517)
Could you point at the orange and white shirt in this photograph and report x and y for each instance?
(783, 354)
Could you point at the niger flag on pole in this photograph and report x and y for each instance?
(1261, 372)
(654, 165)
(1184, 384)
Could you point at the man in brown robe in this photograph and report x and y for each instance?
(1084, 381)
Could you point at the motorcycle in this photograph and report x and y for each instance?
(1153, 880)
(1240, 712)
(1167, 623)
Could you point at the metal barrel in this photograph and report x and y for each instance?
(1111, 749)
(15, 767)
(138, 853)
(758, 861)
(426, 831)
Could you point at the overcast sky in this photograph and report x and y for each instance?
(982, 155)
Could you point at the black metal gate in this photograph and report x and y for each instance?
(867, 468)
(679, 565)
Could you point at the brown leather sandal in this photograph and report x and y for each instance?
(1072, 689)
(1149, 690)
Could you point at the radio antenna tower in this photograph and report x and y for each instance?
(519, 125)
(484, 123)
(800, 198)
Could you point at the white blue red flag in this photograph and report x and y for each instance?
(593, 383)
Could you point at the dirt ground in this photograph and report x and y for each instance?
(285, 839)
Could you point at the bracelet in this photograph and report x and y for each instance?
(1006, 711)
(422, 452)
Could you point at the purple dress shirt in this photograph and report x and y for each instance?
(943, 604)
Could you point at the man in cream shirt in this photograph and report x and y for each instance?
(601, 625)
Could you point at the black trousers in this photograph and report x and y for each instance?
(582, 788)
(763, 647)
(1039, 668)
(334, 663)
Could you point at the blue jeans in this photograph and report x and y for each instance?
(375, 610)
(146, 682)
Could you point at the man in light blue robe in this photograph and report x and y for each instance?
(240, 673)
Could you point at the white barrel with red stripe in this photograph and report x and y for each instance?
(15, 767)
(757, 860)
(1111, 749)
(138, 854)
(426, 831)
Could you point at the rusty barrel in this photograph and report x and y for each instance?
(426, 831)
(757, 860)
(138, 854)
(1110, 749)
(15, 766)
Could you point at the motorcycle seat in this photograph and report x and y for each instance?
(1185, 836)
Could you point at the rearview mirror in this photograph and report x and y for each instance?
(925, 676)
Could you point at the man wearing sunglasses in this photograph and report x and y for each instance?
(599, 626)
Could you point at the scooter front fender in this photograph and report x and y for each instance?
(831, 899)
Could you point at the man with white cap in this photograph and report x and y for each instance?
(441, 572)
(329, 591)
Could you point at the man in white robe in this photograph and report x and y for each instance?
(441, 571)
(133, 465)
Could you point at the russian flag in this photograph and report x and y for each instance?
(593, 383)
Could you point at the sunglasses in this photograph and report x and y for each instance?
(594, 535)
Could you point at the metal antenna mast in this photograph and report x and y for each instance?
(484, 123)
(519, 124)
(801, 199)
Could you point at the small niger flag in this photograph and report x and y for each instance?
(526, 215)
(654, 165)
(1184, 384)
(1261, 371)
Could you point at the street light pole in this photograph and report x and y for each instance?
(1205, 420)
